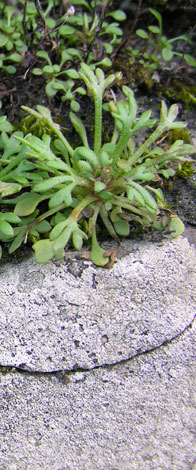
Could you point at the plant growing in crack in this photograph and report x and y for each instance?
(70, 190)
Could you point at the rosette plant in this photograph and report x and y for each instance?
(71, 191)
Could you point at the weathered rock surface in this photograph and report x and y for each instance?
(72, 315)
(136, 416)
(123, 342)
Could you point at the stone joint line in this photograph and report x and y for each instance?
(64, 372)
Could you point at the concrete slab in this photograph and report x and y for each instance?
(71, 314)
(105, 362)
(139, 415)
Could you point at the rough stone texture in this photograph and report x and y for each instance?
(137, 416)
(70, 314)
(124, 344)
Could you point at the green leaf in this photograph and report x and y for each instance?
(43, 251)
(118, 15)
(42, 110)
(58, 217)
(87, 154)
(112, 29)
(81, 2)
(158, 192)
(43, 55)
(3, 40)
(6, 229)
(51, 69)
(63, 195)
(43, 226)
(108, 206)
(108, 48)
(18, 239)
(190, 60)
(66, 30)
(109, 147)
(50, 90)
(135, 196)
(80, 128)
(10, 217)
(157, 16)
(80, 90)
(72, 73)
(28, 204)
(77, 240)
(99, 186)
(142, 34)
(106, 195)
(10, 69)
(176, 226)
(106, 62)
(58, 163)
(154, 29)
(144, 121)
(97, 253)
(122, 228)
(51, 23)
(40, 146)
(58, 229)
(74, 52)
(84, 167)
(148, 199)
(142, 174)
(61, 241)
(37, 71)
(75, 106)
(50, 183)
(5, 125)
(15, 57)
(157, 224)
(183, 37)
(167, 54)
(167, 173)
(10, 144)
(6, 189)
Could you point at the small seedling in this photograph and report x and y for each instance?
(158, 48)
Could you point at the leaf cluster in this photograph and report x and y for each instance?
(158, 48)
(64, 193)
(37, 39)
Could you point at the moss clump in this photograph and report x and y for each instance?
(185, 169)
(179, 134)
(186, 94)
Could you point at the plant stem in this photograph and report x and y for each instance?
(108, 224)
(151, 139)
(98, 123)
(63, 140)
(46, 214)
(122, 202)
(124, 138)
(81, 206)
